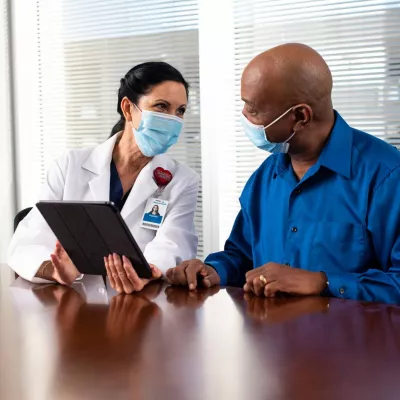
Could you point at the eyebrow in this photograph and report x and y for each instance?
(250, 103)
(168, 103)
(164, 101)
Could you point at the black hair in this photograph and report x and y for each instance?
(140, 80)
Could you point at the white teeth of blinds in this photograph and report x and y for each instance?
(360, 40)
(82, 50)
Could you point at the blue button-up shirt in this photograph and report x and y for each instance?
(342, 218)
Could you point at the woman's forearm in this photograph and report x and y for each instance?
(45, 271)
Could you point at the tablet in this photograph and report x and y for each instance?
(90, 231)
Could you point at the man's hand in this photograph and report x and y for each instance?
(186, 274)
(281, 278)
(123, 277)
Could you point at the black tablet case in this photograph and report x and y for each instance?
(90, 231)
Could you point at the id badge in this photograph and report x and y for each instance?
(154, 213)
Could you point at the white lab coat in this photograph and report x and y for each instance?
(84, 175)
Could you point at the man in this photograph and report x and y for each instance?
(322, 214)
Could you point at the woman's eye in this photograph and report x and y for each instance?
(181, 111)
(161, 107)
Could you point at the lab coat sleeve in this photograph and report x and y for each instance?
(381, 283)
(236, 259)
(176, 240)
(33, 241)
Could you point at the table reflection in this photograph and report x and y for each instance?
(182, 297)
(99, 346)
(281, 309)
(170, 343)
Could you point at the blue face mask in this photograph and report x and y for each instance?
(157, 132)
(258, 135)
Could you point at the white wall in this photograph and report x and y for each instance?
(7, 205)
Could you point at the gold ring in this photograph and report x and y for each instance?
(263, 280)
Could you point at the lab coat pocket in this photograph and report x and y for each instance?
(339, 245)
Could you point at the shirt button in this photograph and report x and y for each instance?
(297, 191)
(294, 229)
(341, 290)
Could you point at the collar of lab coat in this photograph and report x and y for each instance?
(98, 163)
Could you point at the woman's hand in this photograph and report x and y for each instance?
(123, 278)
(63, 269)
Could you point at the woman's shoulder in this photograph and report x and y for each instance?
(93, 155)
(72, 156)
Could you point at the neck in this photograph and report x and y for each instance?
(306, 153)
(127, 155)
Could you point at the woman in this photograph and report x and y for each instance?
(155, 211)
(153, 216)
(152, 101)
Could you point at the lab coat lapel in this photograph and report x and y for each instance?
(98, 163)
(145, 186)
(100, 186)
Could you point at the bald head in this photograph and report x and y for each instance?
(287, 75)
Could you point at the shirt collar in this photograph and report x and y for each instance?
(336, 155)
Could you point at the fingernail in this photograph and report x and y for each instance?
(191, 286)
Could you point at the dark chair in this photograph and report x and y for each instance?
(20, 216)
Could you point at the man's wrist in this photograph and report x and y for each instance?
(323, 283)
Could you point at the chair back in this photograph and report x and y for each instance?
(20, 216)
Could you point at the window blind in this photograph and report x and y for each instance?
(83, 49)
(360, 40)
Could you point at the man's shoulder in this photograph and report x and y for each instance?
(374, 151)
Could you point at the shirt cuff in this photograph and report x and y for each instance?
(221, 271)
(41, 280)
(163, 264)
(339, 285)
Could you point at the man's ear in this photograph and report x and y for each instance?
(303, 115)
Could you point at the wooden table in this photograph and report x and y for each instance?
(168, 343)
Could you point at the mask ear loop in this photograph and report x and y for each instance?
(277, 119)
(137, 107)
(140, 113)
(287, 140)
